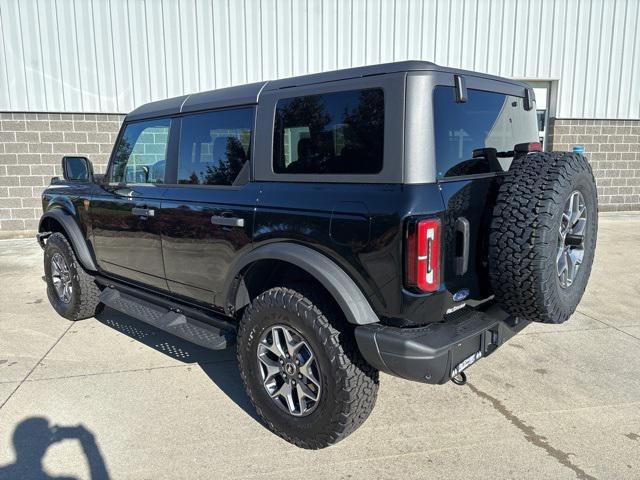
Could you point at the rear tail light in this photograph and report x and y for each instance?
(423, 255)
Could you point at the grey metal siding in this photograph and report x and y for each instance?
(113, 55)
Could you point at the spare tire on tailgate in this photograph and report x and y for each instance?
(543, 236)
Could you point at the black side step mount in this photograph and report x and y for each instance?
(173, 321)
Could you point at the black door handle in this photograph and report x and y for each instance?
(143, 212)
(227, 221)
(462, 246)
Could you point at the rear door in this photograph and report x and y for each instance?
(125, 232)
(207, 211)
(472, 141)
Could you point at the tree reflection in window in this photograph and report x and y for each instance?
(214, 147)
(334, 133)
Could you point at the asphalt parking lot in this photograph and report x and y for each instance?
(112, 397)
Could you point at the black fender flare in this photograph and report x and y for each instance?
(341, 286)
(74, 235)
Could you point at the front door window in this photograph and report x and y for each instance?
(141, 153)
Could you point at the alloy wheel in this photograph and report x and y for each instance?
(61, 277)
(571, 237)
(289, 370)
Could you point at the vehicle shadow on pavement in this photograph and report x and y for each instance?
(32, 438)
(219, 365)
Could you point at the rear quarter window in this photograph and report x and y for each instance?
(333, 133)
(486, 120)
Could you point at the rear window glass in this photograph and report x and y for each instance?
(334, 133)
(486, 120)
(214, 147)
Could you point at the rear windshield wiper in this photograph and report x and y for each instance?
(519, 149)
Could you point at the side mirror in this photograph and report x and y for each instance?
(77, 169)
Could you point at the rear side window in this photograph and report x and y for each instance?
(333, 133)
(141, 154)
(214, 147)
(486, 120)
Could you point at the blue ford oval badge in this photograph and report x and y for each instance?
(460, 295)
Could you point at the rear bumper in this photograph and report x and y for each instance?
(436, 352)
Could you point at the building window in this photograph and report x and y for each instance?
(333, 133)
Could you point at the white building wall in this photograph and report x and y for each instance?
(112, 55)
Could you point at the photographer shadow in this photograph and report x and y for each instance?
(32, 438)
(219, 365)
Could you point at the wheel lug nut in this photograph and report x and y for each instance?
(300, 375)
(297, 362)
(293, 382)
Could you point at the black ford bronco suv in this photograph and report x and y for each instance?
(398, 218)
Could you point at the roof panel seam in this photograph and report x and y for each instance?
(184, 101)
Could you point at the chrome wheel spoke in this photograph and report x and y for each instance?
(275, 344)
(286, 393)
(564, 224)
(271, 368)
(570, 268)
(574, 207)
(305, 391)
(576, 256)
(306, 372)
(580, 227)
(293, 346)
(562, 262)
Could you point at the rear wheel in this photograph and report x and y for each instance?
(301, 368)
(72, 292)
(543, 236)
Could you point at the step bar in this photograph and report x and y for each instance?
(185, 322)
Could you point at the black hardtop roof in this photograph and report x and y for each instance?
(248, 94)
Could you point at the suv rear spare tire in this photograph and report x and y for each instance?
(543, 236)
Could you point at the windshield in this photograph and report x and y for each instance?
(486, 120)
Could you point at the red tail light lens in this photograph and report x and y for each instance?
(528, 147)
(423, 255)
(535, 147)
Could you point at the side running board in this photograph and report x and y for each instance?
(171, 320)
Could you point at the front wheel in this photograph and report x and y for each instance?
(302, 369)
(72, 292)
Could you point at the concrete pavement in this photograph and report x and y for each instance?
(114, 397)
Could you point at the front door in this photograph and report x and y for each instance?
(126, 237)
(207, 213)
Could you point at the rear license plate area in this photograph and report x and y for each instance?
(466, 363)
(466, 354)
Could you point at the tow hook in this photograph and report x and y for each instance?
(459, 379)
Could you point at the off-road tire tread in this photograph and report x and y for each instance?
(89, 295)
(357, 380)
(528, 198)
